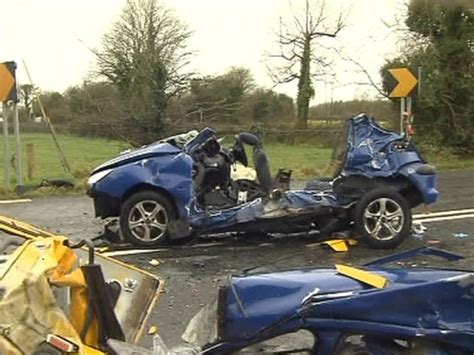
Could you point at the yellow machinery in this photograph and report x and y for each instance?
(60, 298)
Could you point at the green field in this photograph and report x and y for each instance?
(83, 154)
(305, 161)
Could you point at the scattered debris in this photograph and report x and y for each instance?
(199, 264)
(154, 262)
(432, 241)
(340, 245)
(417, 236)
(153, 330)
(418, 228)
(55, 183)
(366, 277)
(460, 235)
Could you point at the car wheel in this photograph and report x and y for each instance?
(382, 218)
(144, 218)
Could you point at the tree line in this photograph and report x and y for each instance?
(439, 40)
(142, 87)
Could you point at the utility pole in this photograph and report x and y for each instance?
(62, 156)
(8, 93)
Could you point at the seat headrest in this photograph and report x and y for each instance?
(249, 138)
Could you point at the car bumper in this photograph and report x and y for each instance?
(104, 205)
(423, 176)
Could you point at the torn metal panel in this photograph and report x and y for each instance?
(44, 292)
(415, 252)
(366, 149)
(366, 277)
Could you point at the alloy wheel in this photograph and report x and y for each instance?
(383, 218)
(148, 220)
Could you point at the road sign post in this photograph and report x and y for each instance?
(6, 163)
(18, 157)
(405, 84)
(8, 93)
(402, 113)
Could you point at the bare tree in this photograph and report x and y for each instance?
(298, 40)
(143, 55)
(26, 95)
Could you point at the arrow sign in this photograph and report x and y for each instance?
(406, 82)
(8, 82)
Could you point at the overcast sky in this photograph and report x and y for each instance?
(52, 37)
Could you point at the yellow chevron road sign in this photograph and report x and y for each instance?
(8, 82)
(406, 82)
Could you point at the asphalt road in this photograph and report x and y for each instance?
(192, 275)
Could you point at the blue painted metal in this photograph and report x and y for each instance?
(415, 252)
(202, 137)
(426, 183)
(168, 167)
(432, 304)
(371, 154)
(369, 150)
(146, 152)
(200, 218)
(170, 172)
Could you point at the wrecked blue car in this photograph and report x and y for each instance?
(182, 185)
(376, 309)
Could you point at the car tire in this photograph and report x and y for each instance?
(382, 218)
(144, 218)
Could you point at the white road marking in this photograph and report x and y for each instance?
(146, 251)
(132, 252)
(443, 213)
(5, 202)
(444, 218)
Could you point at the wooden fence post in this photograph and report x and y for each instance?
(31, 160)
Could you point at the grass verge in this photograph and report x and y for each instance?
(83, 154)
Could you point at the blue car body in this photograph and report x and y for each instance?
(167, 168)
(368, 156)
(427, 305)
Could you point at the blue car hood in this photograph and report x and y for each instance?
(255, 302)
(148, 151)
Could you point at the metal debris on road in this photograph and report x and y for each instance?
(153, 330)
(154, 262)
(460, 235)
(338, 245)
(418, 228)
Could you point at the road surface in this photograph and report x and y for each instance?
(192, 275)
